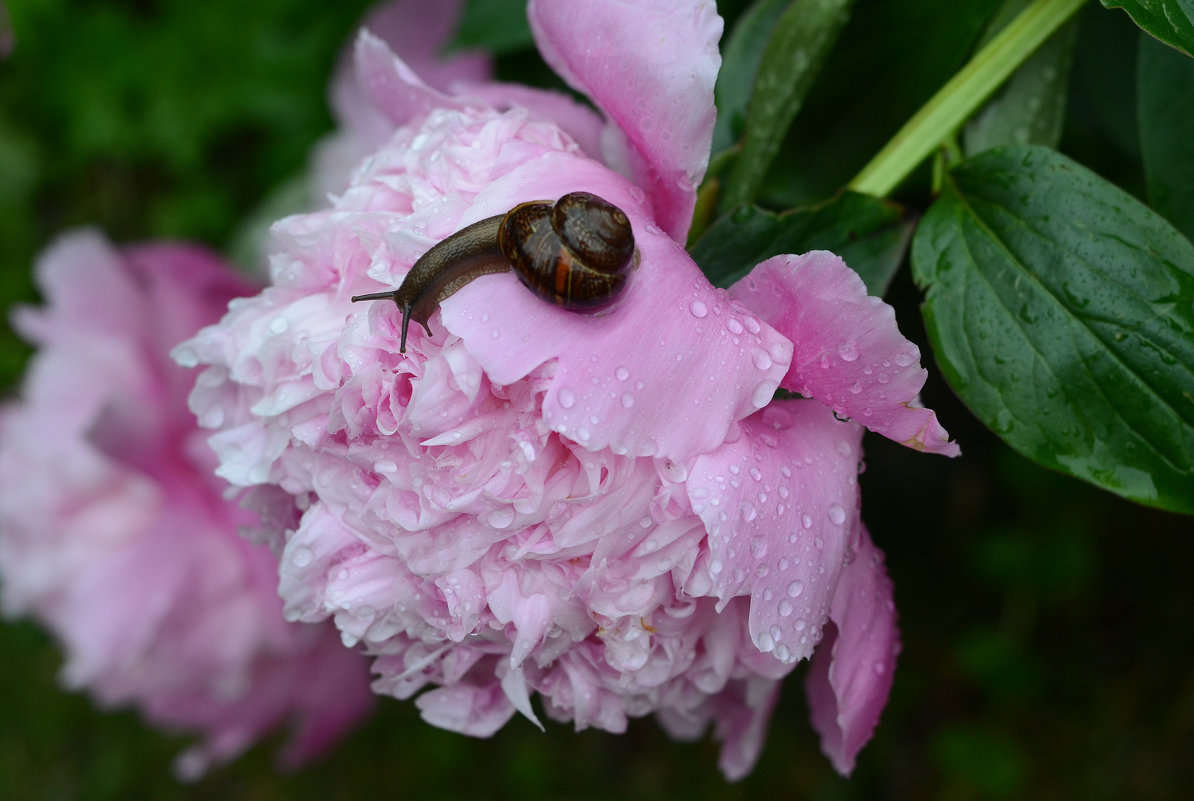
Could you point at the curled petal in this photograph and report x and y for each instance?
(392, 87)
(779, 504)
(851, 672)
(657, 92)
(849, 354)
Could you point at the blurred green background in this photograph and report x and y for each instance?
(1047, 627)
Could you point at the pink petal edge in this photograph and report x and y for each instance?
(658, 95)
(851, 672)
(849, 354)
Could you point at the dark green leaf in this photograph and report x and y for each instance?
(803, 37)
(1171, 21)
(1030, 108)
(739, 63)
(1166, 118)
(870, 234)
(499, 26)
(1062, 312)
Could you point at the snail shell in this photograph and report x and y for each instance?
(576, 253)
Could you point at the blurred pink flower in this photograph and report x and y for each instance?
(116, 535)
(611, 511)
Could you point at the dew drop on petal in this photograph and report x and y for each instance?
(785, 608)
(698, 309)
(761, 358)
(566, 398)
(837, 515)
(806, 520)
(848, 350)
(279, 324)
(763, 393)
(303, 556)
(796, 588)
(627, 400)
(622, 373)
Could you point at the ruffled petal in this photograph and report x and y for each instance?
(849, 354)
(657, 92)
(392, 87)
(575, 119)
(417, 30)
(779, 504)
(851, 673)
(648, 378)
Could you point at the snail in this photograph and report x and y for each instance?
(576, 253)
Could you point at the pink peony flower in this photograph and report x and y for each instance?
(610, 512)
(116, 535)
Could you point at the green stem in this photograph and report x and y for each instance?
(957, 100)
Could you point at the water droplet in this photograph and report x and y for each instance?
(843, 448)
(763, 393)
(583, 434)
(806, 521)
(756, 474)
(303, 556)
(627, 400)
(800, 624)
(279, 324)
(761, 358)
(622, 373)
(783, 653)
(500, 518)
(566, 398)
(698, 309)
(752, 325)
(765, 643)
(716, 566)
(837, 515)
(848, 350)
(758, 546)
(796, 588)
(905, 359)
(785, 608)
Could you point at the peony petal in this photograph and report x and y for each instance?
(393, 88)
(575, 119)
(417, 30)
(851, 673)
(849, 354)
(650, 66)
(647, 378)
(778, 504)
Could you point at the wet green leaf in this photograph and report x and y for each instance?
(1166, 117)
(1171, 21)
(803, 36)
(1062, 312)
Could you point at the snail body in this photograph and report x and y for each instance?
(576, 253)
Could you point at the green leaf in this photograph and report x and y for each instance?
(803, 37)
(498, 26)
(1062, 312)
(739, 64)
(1165, 92)
(1030, 108)
(870, 234)
(1171, 21)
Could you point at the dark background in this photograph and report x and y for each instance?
(1046, 625)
